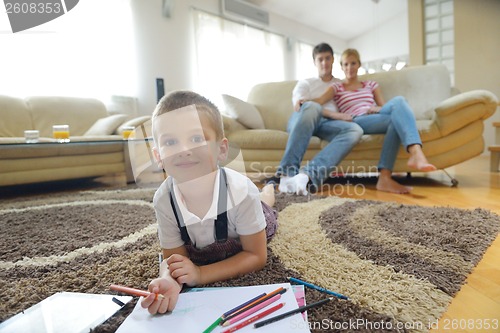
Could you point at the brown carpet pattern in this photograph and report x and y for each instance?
(400, 265)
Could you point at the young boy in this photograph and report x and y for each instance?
(212, 224)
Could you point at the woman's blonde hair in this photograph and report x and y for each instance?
(348, 53)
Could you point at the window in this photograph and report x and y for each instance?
(232, 57)
(85, 52)
(386, 64)
(304, 65)
(439, 31)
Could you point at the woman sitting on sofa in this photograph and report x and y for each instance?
(362, 103)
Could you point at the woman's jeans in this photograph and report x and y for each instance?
(341, 135)
(397, 121)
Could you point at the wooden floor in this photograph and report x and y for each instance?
(477, 305)
(478, 302)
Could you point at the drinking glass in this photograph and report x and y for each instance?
(127, 130)
(61, 133)
(31, 136)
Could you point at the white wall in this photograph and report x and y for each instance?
(166, 45)
(388, 40)
(477, 46)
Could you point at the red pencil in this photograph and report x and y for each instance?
(254, 318)
(133, 291)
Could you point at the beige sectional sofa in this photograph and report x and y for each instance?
(96, 146)
(450, 124)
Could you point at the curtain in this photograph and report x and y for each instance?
(232, 57)
(88, 52)
(304, 66)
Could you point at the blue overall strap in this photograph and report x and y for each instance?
(175, 208)
(220, 224)
(181, 225)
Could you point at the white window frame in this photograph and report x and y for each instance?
(439, 22)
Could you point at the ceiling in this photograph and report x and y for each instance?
(345, 19)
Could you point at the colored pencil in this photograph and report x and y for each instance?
(213, 325)
(313, 286)
(228, 313)
(254, 318)
(133, 291)
(117, 301)
(280, 290)
(290, 313)
(252, 310)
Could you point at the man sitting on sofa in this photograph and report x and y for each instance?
(306, 121)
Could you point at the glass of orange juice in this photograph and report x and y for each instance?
(127, 130)
(61, 133)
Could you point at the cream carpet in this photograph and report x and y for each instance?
(399, 265)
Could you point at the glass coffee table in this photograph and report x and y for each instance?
(46, 160)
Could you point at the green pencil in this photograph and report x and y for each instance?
(214, 325)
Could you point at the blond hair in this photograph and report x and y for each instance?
(182, 98)
(348, 53)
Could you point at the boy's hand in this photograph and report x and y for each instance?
(183, 270)
(167, 287)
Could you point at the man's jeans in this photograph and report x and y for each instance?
(397, 121)
(342, 137)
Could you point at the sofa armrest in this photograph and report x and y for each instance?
(460, 110)
(454, 91)
(135, 122)
(232, 125)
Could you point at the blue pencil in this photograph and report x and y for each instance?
(312, 286)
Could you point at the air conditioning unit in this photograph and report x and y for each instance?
(242, 10)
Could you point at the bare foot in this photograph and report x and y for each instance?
(267, 195)
(385, 183)
(418, 160)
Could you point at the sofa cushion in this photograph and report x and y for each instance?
(146, 120)
(274, 101)
(264, 139)
(244, 112)
(107, 125)
(79, 113)
(15, 117)
(424, 87)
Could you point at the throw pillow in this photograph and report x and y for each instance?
(135, 122)
(244, 112)
(107, 125)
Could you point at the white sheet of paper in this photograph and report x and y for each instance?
(197, 310)
(64, 312)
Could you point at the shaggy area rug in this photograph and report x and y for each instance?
(400, 265)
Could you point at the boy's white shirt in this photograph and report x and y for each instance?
(245, 215)
(190, 218)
